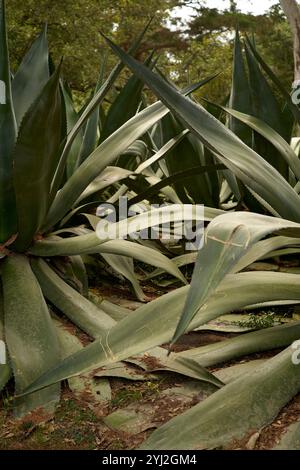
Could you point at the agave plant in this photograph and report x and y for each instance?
(54, 165)
(233, 241)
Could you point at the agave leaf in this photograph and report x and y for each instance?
(161, 153)
(102, 156)
(31, 76)
(290, 439)
(185, 156)
(80, 273)
(266, 107)
(8, 132)
(176, 178)
(109, 176)
(80, 310)
(246, 404)
(231, 373)
(271, 135)
(153, 324)
(105, 154)
(157, 359)
(242, 345)
(179, 261)
(83, 385)
(149, 180)
(86, 243)
(265, 104)
(227, 239)
(125, 371)
(35, 157)
(71, 120)
(240, 98)
(116, 312)
(29, 332)
(91, 129)
(124, 266)
(264, 249)
(294, 108)
(246, 164)
(136, 152)
(124, 106)
(142, 253)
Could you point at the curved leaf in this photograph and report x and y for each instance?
(227, 239)
(242, 345)
(271, 135)
(8, 132)
(80, 310)
(85, 243)
(244, 405)
(35, 157)
(31, 76)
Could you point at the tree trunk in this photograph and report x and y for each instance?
(292, 12)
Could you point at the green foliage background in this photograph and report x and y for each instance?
(188, 52)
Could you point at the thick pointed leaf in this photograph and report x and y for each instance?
(123, 108)
(89, 139)
(116, 312)
(29, 332)
(71, 119)
(227, 239)
(85, 243)
(83, 386)
(264, 249)
(176, 178)
(111, 175)
(142, 253)
(240, 98)
(184, 156)
(271, 135)
(80, 310)
(35, 157)
(266, 108)
(31, 76)
(157, 359)
(244, 405)
(294, 108)
(242, 345)
(8, 131)
(124, 266)
(290, 439)
(80, 273)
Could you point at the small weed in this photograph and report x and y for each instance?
(125, 396)
(258, 321)
(26, 425)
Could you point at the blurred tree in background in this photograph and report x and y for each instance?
(73, 31)
(214, 28)
(189, 50)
